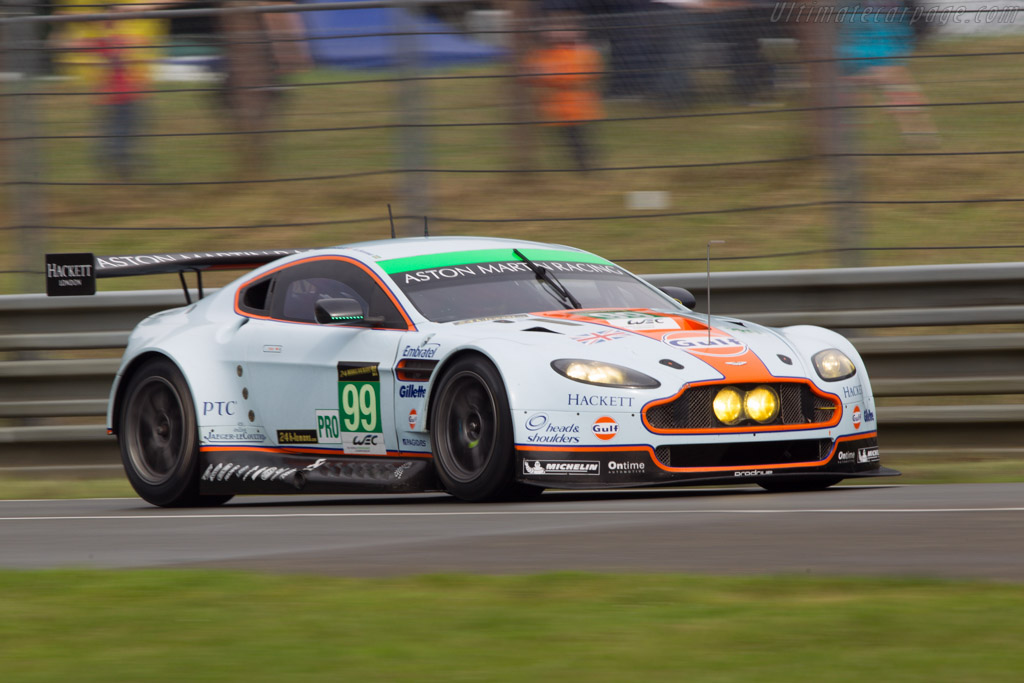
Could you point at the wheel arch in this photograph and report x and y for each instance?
(117, 403)
(447, 363)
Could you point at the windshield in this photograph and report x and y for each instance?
(459, 287)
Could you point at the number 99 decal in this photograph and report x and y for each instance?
(360, 407)
(359, 420)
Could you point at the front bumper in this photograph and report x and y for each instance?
(735, 462)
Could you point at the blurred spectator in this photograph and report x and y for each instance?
(566, 71)
(875, 37)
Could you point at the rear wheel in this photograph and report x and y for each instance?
(471, 434)
(793, 484)
(159, 438)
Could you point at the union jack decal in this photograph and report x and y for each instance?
(598, 337)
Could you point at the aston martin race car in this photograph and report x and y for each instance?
(488, 368)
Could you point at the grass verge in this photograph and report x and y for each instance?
(192, 625)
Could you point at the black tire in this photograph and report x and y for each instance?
(471, 434)
(159, 438)
(794, 484)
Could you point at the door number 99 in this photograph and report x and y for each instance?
(359, 407)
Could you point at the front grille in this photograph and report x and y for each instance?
(693, 408)
(764, 454)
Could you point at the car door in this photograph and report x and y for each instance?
(322, 388)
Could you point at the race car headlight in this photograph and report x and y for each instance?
(731, 405)
(728, 406)
(603, 374)
(761, 404)
(833, 365)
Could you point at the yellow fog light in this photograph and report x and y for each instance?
(761, 404)
(728, 406)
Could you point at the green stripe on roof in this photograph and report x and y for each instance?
(458, 258)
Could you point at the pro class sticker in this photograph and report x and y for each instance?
(328, 426)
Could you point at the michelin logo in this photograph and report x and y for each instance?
(539, 467)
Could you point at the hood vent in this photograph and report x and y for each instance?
(540, 329)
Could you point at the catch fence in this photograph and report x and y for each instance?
(296, 124)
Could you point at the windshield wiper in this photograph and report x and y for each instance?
(545, 275)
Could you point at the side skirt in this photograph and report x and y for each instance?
(246, 471)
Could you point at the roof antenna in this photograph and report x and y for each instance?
(425, 232)
(392, 219)
(710, 242)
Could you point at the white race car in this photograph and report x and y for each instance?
(487, 368)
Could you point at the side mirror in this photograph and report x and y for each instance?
(339, 312)
(681, 295)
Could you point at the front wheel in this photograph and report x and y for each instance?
(471, 433)
(794, 484)
(159, 438)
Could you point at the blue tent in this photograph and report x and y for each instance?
(359, 44)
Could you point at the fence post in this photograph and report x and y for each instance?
(415, 192)
(521, 136)
(834, 128)
(21, 58)
(844, 169)
(249, 81)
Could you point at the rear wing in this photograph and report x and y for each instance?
(76, 274)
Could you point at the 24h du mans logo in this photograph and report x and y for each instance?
(697, 342)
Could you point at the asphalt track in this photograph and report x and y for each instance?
(954, 531)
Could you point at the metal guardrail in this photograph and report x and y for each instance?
(943, 385)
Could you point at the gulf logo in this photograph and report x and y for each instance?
(413, 419)
(698, 343)
(605, 428)
(856, 417)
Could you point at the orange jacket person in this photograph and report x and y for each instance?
(566, 72)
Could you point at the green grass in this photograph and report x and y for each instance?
(20, 487)
(191, 625)
(559, 195)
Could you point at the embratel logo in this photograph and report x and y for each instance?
(856, 417)
(424, 350)
(697, 342)
(605, 428)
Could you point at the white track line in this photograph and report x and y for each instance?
(501, 513)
